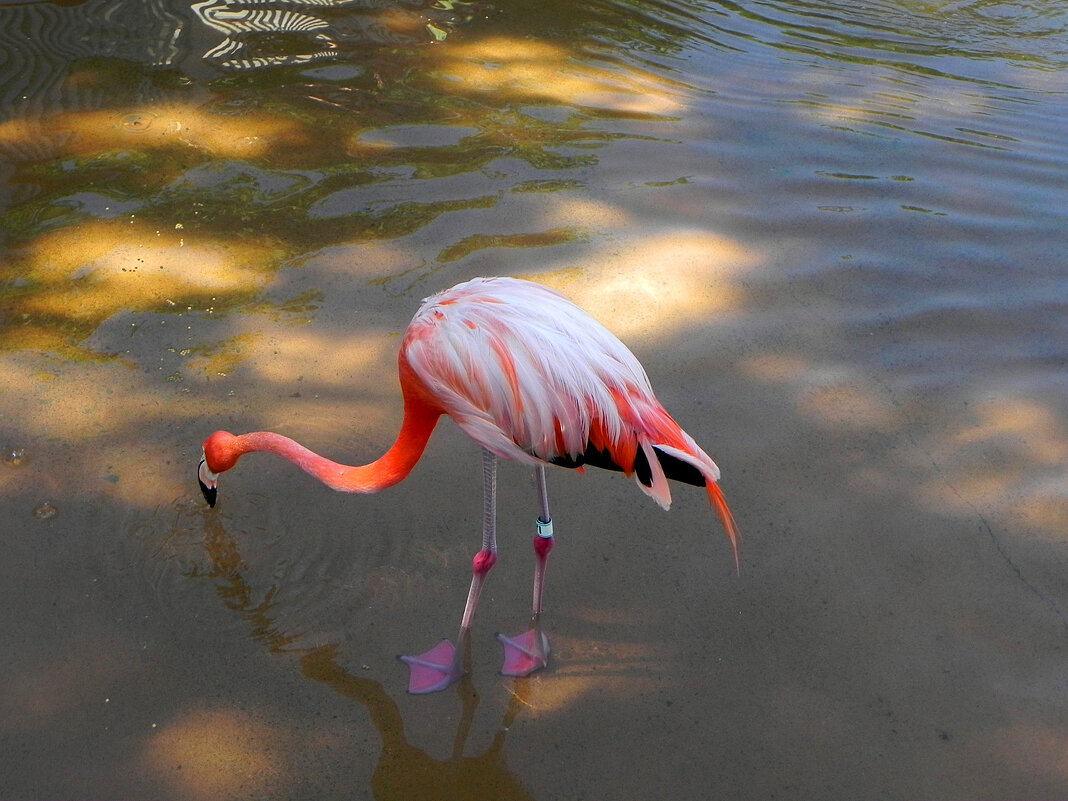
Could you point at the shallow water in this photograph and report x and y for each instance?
(834, 235)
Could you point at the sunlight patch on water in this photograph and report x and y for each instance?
(99, 267)
(64, 402)
(775, 367)
(1034, 746)
(333, 427)
(86, 423)
(77, 277)
(846, 404)
(1046, 509)
(589, 212)
(586, 665)
(1018, 424)
(170, 126)
(1008, 456)
(218, 753)
(1003, 459)
(333, 359)
(657, 284)
(891, 105)
(598, 615)
(540, 71)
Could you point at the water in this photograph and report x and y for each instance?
(833, 233)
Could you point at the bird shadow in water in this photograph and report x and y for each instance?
(403, 770)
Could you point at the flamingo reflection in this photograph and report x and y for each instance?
(404, 771)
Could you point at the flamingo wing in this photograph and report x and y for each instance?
(531, 377)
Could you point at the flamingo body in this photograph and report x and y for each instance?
(531, 378)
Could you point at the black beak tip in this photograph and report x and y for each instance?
(210, 493)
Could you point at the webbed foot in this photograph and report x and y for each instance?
(524, 654)
(433, 670)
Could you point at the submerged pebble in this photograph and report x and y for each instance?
(44, 511)
(16, 457)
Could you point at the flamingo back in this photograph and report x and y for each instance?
(531, 377)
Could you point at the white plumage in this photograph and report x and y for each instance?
(530, 377)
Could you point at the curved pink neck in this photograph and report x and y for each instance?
(394, 465)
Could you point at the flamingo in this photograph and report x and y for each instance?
(532, 378)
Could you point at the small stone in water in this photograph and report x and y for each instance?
(44, 511)
(15, 457)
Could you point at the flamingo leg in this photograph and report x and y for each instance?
(529, 651)
(443, 664)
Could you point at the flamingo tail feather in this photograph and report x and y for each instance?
(719, 503)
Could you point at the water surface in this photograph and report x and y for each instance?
(835, 236)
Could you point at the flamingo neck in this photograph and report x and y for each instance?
(392, 467)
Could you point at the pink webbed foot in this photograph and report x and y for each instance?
(433, 670)
(524, 654)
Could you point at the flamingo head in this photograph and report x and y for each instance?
(220, 454)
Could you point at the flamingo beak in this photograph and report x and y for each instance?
(209, 482)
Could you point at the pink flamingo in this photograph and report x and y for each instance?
(530, 377)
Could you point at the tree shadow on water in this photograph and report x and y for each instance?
(404, 771)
